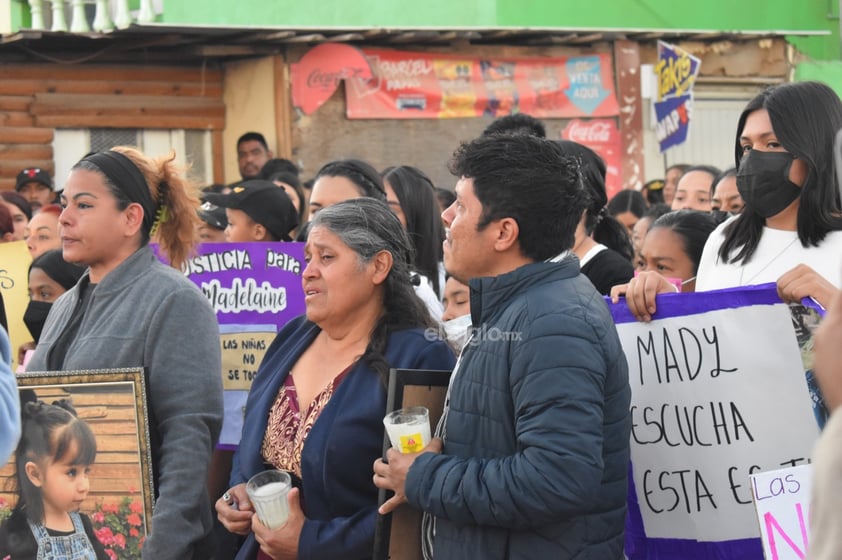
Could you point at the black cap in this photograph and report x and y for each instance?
(264, 202)
(33, 175)
(213, 215)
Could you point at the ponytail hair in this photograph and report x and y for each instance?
(48, 434)
(600, 224)
(169, 205)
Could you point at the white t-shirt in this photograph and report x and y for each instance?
(778, 252)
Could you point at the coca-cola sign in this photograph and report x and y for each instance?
(321, 78)
(317, 75)
(589, 132)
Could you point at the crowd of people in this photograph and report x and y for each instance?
(531, 455)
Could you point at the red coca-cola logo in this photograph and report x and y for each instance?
(593, 132)
(319, 78)
(317, 75)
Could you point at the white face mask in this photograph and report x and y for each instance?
(457, 329)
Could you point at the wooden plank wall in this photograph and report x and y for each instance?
(36, 99)
(116, 472)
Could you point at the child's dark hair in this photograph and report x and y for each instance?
(692, 227)
(48, 434)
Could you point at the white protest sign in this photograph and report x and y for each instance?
(716, 395)
(782, 501)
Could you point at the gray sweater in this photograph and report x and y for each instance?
(146, 314)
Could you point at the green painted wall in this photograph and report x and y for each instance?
(717, 15)
(660, 14)
(333, 13)
(666, 14)
(829, 72)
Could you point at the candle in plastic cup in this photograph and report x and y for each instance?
(408, 428)
(268, 494)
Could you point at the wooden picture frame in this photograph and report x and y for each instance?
(408, 387)
(114, 404)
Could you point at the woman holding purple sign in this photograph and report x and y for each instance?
(317, 403)
(791, 229)
(129, 310)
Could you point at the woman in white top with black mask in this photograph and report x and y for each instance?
(790, 231)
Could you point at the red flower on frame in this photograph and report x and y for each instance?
(110, 508)
(134, 519)
(136, 507)
(105, 535)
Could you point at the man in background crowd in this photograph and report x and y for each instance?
(35, 185)
(252, 154)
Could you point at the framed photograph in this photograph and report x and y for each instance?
(398, 535)
(113, 403)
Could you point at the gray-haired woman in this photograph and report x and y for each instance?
(317, 404)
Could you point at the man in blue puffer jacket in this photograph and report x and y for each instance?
(534, 444)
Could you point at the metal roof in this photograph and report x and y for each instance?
(166, 43)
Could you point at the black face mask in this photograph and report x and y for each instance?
(720, 216)
(35, 316)
(763, 182)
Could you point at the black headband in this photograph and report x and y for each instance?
(125, 175)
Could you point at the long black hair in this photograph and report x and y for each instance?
(805, 117)
(368, 226)
(599, 224)
(417, 197)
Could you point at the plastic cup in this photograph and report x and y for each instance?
(408, 428)
(268, 494)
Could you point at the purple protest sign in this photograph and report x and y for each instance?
(250, 283)
(720, 390)
(255, 289)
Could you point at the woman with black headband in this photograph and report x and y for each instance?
(131, 311)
